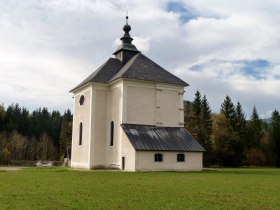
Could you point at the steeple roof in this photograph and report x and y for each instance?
(126, 40)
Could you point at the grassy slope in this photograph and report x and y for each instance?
(61, 188)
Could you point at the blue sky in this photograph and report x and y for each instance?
(219, 47)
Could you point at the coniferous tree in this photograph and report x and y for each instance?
(54, 130)
(274, 135)
(254, 129)
(2, 117)
(231, 147)
(240, 120)
(254, 147)
(224, 139)
(188, 115)
(197, 105)
(206, 130)
(240, 126)
(228, 109)
(29, 136)
(66, 132)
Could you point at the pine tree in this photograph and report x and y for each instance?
(254, 146)
(199, 122)
(274, 135)
(197, 105)
(66, 132)
(240, 120)
(255, 129)
(206, 130)
(2, 117)
(228, 109)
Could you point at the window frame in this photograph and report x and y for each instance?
(158, 157)
(81, 133)
(181, 157)
(82, 100)
(112, 130)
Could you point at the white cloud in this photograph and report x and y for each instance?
(48, 47)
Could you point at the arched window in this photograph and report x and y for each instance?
(112, 134)
(81, 133)
(180, 157)
(158, 157)
(82, 99)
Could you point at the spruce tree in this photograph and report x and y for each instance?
(206, 130)
(274, 134)
(2, 117)
(66, 132)
(240, 127)
(254, 130)
(228, 109)
(240, 120)
(234, 146)
(197, 105)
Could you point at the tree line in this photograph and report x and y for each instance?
(229, 138)
(39, 135)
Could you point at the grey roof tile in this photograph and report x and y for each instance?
(139, 67)
(104, 73)
(153, 138)
(142, 68)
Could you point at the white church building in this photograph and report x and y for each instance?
(129, 115)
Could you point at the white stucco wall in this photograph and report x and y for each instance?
(99, 127)
(116, 107)
(82, 113)
(126, 101)
(153, 104)
(141, 105)
(128, 152)
(145, 161)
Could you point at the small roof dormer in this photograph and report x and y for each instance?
(126, 49)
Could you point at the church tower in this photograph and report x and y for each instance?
(126, 50)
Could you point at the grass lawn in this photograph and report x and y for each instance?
(63, 188)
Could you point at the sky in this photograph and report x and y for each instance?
(219, 47)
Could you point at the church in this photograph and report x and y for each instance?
(129, 115)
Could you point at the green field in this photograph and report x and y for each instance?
(63, 188)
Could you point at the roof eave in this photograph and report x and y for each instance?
(152, 81)
(152, 150)
(78, 88)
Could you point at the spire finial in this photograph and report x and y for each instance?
(126, 27)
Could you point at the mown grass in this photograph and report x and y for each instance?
(63, 188)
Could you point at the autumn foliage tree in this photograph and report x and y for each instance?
(32, 136)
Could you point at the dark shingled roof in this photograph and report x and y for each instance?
(139, 67)
(142, 68)
(104, 73)
(153, 138)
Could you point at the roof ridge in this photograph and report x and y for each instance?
(126, 65)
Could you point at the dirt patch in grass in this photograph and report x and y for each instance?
(12, 168)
